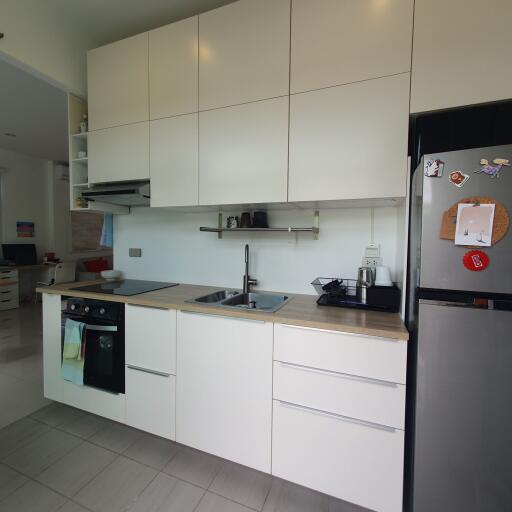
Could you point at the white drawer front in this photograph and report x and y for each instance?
(367, 356)
(151, 402)
(358, 397)
(8, 277)
(10, 303)
(356, 462)
(151, 338)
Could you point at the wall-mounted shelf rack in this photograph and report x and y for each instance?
(220, 229)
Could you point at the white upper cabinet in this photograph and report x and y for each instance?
(337, 42)
(350, 141)
(119, 154)
(462, 53)
(244, 52)
(173, 69)
(117, 78)
(243, 153)
(174, 161)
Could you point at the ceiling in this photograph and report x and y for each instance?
(35, 112)
(111, 20)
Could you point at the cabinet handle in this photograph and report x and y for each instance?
(355, 334)
(338, 374)
(222, 316)
(145, 370)
(339, 417)
(161, 308)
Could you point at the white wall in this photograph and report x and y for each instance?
(45, 39)
(173, 248)
(24, 197)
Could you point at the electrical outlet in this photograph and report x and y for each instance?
(371, 261)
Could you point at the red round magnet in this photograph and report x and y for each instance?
(476, 261)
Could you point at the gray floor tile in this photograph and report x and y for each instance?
(83, 424)
(241, 484)
(72, 507)
(10, 480)
(287, 497)
(32, 497)
(56, 414)
(214, 503)
(115, 437)
(42, 452)
(19, 433)
(152, 451)
(76, 469)
(193, 466)
(167, 494)
(116, 487)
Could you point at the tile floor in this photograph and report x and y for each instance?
(57, 458)
(63, 459)
(21, 363)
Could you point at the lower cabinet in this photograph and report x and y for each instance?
(150, 401)
(224, 387)
(354, 460)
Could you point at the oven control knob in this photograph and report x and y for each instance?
(73, 307)
(87, 309)
(102, 311)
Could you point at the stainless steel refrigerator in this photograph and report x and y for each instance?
(461, 318)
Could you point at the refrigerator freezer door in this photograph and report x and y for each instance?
(463, 452)
(441, 260)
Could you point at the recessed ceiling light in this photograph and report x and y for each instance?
(9, 134)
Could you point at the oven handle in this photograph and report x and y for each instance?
(107, 328)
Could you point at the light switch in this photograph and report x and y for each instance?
(134, 252)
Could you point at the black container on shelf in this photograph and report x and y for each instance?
(385, 297)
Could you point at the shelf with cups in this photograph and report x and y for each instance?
(222, 228)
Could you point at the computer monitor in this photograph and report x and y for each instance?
(20, 254)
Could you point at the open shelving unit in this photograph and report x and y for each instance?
(220, 229)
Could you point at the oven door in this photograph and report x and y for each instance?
(104, 355)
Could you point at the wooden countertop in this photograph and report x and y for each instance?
(301, 310)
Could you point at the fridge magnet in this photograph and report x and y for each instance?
(493, 170)
(433, 168)
(500, 225)
(458, 178)
(25, 229)
(476, 261)
(474, 224)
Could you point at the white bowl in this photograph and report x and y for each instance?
(111, 275)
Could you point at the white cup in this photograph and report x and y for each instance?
(383, 276)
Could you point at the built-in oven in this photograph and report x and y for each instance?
(103, 340)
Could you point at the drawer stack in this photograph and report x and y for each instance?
(150, 342)
(9, 294)
(339, 412)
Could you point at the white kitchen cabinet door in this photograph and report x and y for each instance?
(52, 343)
(243, 153)
(119, 154)
(173, 69)
(359, 462)
(334, 42)
(150, 402)
(150, 338)
(174, 161)
(350, 141)
(224, 387)
(462, 53)
(117, 83)
(244, 52)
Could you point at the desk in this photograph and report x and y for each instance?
(10, 284)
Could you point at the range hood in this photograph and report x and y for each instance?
(135, 193)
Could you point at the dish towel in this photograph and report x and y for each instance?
(72, 368)
(107, 233)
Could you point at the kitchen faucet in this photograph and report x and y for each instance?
(248, 282)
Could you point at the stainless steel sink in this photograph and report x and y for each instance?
(269, 302)
(258, 301)
(212, 298)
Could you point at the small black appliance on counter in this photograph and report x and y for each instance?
(342, 293)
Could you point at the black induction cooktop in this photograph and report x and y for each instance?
(124, 287)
